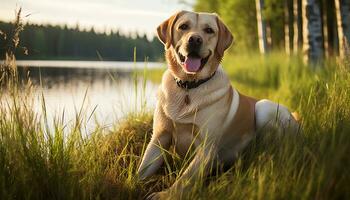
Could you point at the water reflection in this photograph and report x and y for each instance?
(110, 93)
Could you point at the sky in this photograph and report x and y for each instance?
(142, 16)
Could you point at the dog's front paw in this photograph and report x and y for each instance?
(157, 196)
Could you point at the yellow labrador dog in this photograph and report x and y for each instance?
(197, 104)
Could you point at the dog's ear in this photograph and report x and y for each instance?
(165, 29)
(225, 38)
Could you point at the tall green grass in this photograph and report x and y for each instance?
(38, 163)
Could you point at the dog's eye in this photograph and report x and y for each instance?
(209, 30)
(183, 27)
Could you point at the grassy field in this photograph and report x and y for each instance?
(40, 163)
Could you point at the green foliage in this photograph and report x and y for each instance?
(207, 6)
(55, 42)
(240, 16)
(273, 13)
(273, 9)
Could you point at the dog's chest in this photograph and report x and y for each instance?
(203, 105)
(181, 106)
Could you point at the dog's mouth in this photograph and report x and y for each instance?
(193, 63)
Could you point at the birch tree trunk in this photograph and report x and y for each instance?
(324, 14)
(286, 27)
(297, 33)
(312, 31)
(342, 10)
(261, 26)
(339, 28)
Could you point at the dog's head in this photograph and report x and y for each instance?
(194, 43)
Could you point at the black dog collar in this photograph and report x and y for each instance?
(192, 84)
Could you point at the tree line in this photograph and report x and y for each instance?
(314, 28)
(61, 42)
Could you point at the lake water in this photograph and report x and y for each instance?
(109, 88)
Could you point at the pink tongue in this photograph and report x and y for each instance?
(192, 64)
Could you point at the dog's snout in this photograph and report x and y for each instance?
(194, 43)
(195, 40)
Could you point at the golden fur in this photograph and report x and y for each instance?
(223, 118)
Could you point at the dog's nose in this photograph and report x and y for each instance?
(195, 40)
